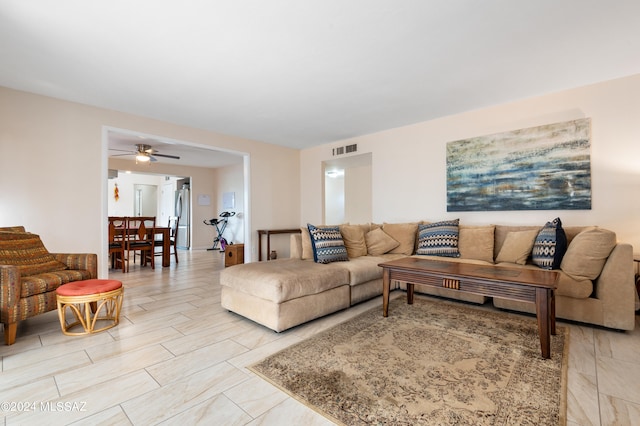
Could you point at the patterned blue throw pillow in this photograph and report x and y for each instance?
(439, 239)
(328, 245)
(550, 245)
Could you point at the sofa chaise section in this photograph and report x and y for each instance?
(283, 293)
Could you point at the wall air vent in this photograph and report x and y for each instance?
(345, 149)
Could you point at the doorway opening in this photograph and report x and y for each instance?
(147, 194)
(347, 190)
(204, 201)
(145, 202)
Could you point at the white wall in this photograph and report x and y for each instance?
(124, 206)
(231, 179)
(409, 163)
(53, 170)
(358, 207)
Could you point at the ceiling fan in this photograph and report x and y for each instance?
(145, 153)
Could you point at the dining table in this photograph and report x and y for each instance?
(165, 231)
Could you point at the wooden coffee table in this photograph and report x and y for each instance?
(528, 285)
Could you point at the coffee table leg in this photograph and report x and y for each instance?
(546, 317)
(386, 288)
(410, 289)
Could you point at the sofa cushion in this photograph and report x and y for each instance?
(363, 269)
(379, 242)
(588, 252)
(49, 281)
(26, 251)
(517, 247)
(284, 279)
(476, 242)
(550, 245)
(439, 239)
(307, 249)
(354, 241)
(501, 233)
(327, 244)
(573, 287)
(405, 234)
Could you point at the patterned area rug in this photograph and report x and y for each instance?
(431, 363)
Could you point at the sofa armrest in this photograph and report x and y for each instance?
(10, 288)
(295, 246)
(86, 261)
(615, 288)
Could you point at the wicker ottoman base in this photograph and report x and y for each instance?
(87, 301)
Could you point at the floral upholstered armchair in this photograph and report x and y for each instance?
(30, 275)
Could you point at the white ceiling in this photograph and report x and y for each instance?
(303, 73)
(120, 141)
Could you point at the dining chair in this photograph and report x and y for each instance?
(173, 238)
(173, 231)
(117, 241)
(141, 237)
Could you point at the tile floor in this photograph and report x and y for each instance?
(178, 358)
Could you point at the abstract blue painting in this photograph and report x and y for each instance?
(540, 168)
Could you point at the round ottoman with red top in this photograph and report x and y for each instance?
(86, 301)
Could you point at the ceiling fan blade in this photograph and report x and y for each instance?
(146, 150)
(175, 157)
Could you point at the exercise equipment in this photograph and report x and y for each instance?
(219, 225)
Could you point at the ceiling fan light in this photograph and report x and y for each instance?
(142, 157)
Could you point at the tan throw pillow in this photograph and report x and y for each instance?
(353, 237)
(517, 247)
(405, 234)
(379, 242)
(27, 252)
(476, 242)
(588, 252)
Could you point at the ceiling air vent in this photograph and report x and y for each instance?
(338, 151)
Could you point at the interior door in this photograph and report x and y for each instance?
(145, 200)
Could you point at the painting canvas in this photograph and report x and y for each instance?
(540, 168)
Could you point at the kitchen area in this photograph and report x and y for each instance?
(196, 198)
(139, 194)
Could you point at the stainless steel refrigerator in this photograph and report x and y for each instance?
(183, 204)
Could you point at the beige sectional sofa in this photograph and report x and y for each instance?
(596, 284)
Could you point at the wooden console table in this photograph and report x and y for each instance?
(269, 233)
(529, 285)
